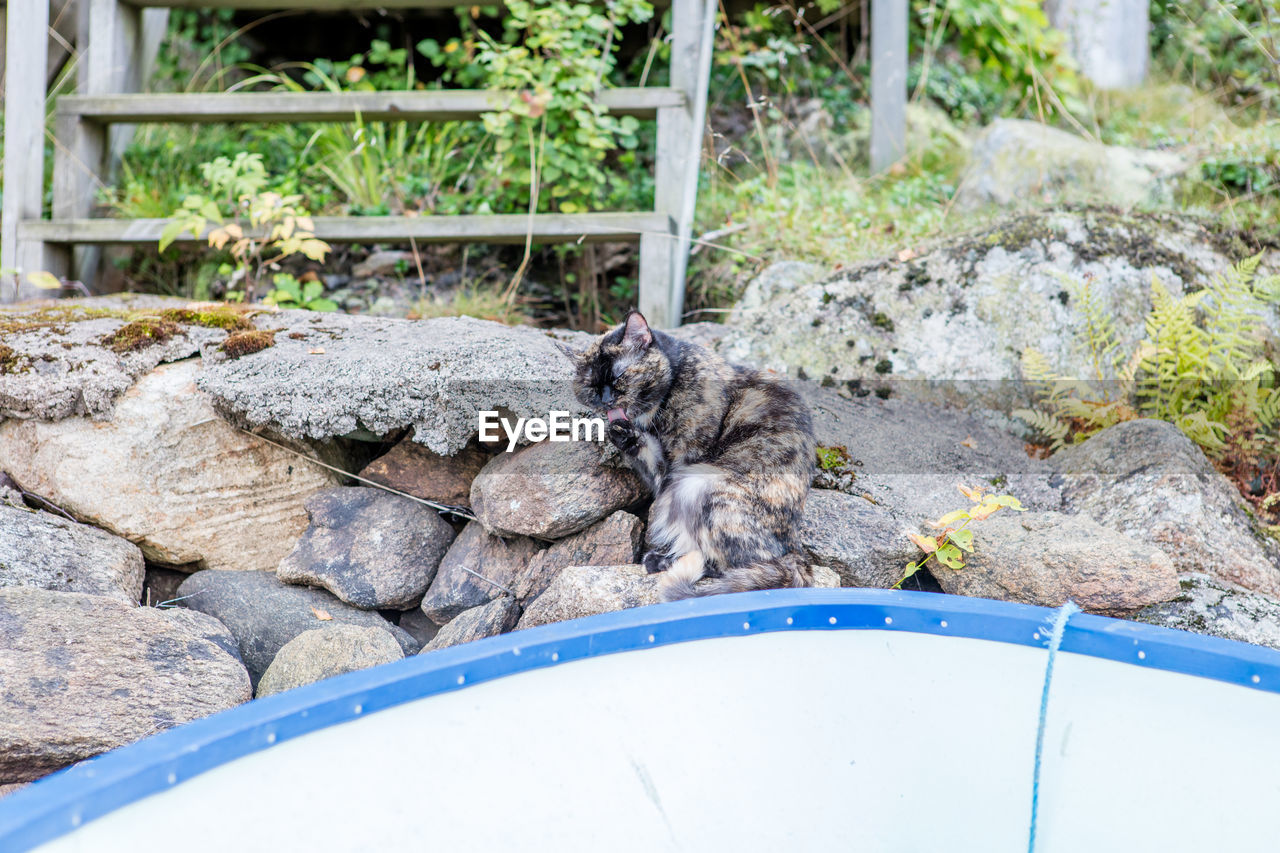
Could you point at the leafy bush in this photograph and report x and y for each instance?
(1227, 45)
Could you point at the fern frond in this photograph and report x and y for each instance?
(1048, 425)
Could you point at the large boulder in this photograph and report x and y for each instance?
(413, 469)
(83, 674)
(551, 490)
(332, 649)
(372, 549)
(46, 551)
(488, 620)
(331, 374)
(497, 560)
(167, 473)
(1018, 163)
(954, 320)
(1205, 605)
(858, 540)
(612, 542)
(1146, 479)
(1047, 558)
(587, 590)
(263, 613)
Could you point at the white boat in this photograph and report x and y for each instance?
(867, 720)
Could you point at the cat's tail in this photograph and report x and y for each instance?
(789, 570)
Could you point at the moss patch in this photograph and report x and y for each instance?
(8, 359)
(238, 344)
(141, 334)
(226, 316)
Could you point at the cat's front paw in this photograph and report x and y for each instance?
(656, 561)
(624, 437)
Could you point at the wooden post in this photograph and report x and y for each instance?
(888, 82)
(1108, 39)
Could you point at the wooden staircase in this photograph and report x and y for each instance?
(92, 126)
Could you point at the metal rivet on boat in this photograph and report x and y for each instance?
(359, 709)
(173, 778)
(1035, 636)
(1256, 679)
(461, 679)
(943, 623)
(888, 620)
(746, 626)
(515, 652)
(271, 737)
(832, 620)
(790, 620)
(1142, 655)
(75, 819)
(555, 656)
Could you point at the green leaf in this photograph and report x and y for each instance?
(910, 570)
(1010, 501)
(962, 538)
(311, 290)
(322, 305)
(171, 231)
(44, 280)
(950, 556)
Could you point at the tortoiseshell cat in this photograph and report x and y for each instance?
(727, 454)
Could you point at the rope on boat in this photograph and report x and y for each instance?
(1055, 641)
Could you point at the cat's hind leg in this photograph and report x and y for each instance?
(679, 580)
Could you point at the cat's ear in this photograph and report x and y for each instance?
(637, 336)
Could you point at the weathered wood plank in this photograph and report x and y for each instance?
(888, 82)
(504, 228)
(446, 105)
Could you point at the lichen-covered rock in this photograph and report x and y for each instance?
(413, 469)
(587, 590)
(861, 542)
(952, 322)
(551, 490)
(382, 374)
(1047, 558)
(488, 620)
(46, 551)
(168, 474)
(1015, 163)
(263, 613)
(1206, 605)
(83, 674)
(612, 542)
(373, 549)
(455, 589)
(1147, 480)
(332, 649)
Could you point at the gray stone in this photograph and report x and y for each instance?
(413, 469)
(168, 474)
(332, 649)
(455, 589)
(824, 578)
(46, 551)
(203, 626)
(1149, 481)
(488, 620)
(951, 324)
(419, 625)
(263, 613)
(587, 590)
(909, 455)
(385, 262)
(612, 542)
(1020, 163)
(372, 549)
(160, 585)
(551, 490)
(861, 542)
(83, 674)
(1046, 558)
(382, 374)
(1206, 605)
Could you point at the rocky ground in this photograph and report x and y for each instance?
(187, 458)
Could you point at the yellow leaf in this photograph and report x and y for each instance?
(906, 255)
(971, 494)
(983, 511)
(948, 518)
(234, 230)
(44, 280)
(218, 237)
(316, 351)
(306, 223)
(322, 615)
(969, 443)
(925, 543)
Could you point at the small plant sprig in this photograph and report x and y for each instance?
(954, 540)
(291, 293)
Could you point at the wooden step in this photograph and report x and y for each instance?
(498, 228)
(288, 107)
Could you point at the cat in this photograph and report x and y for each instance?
(727, 454)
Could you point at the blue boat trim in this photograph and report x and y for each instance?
(65, 800)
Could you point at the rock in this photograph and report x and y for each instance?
(1206, 605)
(385, 262)
(160, 586)
(382, 375)
(332, 649)
(1152, 483)
(263, 613)
(203, 626)
(6, 790)
(419, 626)
(612, 542)
(455, 589)
(488, 620)
(83, 674)
(1020, 163)
(46, 551)
(954, 319)
(414, 470)
(910, 454)
(824, 578)
(60, 366)
(587, 590)
(703, 334)
(551, 490)
(168, 474)
(372, 549)
(1046, 558)
(861, 542)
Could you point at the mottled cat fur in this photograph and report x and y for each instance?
(728, 455)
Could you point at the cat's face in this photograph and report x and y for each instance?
(622, 374)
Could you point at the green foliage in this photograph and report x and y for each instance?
(1229, 46)
(834, 459)
(1245, 165)
(1202, 366)
(198, 48)
(954, 538)
(291, 293)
